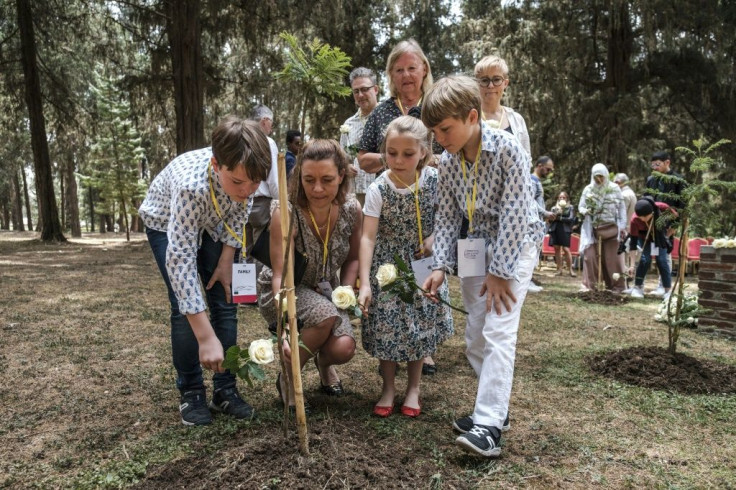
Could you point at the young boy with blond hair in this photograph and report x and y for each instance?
(484, 177)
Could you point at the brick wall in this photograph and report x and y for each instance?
(717, 285)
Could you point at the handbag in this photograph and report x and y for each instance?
(606, 232)
(261, 251)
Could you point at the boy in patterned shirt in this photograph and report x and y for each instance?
(484, 177)
(195, 213)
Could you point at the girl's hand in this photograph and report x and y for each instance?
(286, 348)
(365, 296)
(433, 283)
(498, 292)
(211, 354)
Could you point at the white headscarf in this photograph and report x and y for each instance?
(594, 189)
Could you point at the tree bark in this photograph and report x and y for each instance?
(17, 210)
(26, 197)
(72, 201)
(91, 221)
(48, 211)
(185, 32)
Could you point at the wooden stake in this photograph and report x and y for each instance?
(288, 271)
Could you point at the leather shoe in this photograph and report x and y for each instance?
(429, 369)
(332, 390)
(383, 412)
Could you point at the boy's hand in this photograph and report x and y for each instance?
(224, 271)
(211, 354)
(432, 283)
(498, 292)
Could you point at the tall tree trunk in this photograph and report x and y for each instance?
(91, 221)
(62, 194)
(185, 32)
(17, 210)
(26, 197)
(48, 211)
(72, 201)
(4, 214)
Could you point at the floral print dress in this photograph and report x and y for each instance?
(312, 307)
(394, 330)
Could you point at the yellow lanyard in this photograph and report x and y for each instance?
(219, 213)
(416, 202)
(327, 235)
(401, 107)
(470, 204)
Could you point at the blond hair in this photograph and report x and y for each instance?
(408, 46)
(413, 127)
(452, 96)
(491, 61)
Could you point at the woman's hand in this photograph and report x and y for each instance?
(498, 292)
(365, 296)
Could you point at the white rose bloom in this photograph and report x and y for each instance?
(720, 243)
(261, 351)
(616, 276)
(344, 297)
(386, 274)
(731, 243)
(285, 304)
(344, 129)
(658, 318)
(690, 320)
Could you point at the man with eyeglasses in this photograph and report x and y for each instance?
(365, 94)
(667, 189)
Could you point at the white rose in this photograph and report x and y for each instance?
(562, 203)
(344, 297)
(284, 304)
(261, 351)
(690, 320)
(658, 318)
(616, 276)
(731, 243)
(344, 129)
(386, 274)
(720, 243)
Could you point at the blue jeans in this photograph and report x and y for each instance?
(223, 315)
(662, 265)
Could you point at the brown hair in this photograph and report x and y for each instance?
(239, 142)
(409, 125)
(319, 149)
(407, 46)
(453, 96)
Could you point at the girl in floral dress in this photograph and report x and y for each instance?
(399, 219)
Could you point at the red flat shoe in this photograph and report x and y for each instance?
(411, 412)
(383, 412)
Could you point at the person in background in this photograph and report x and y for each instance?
(293, 145)
(604, 221)
(666, 191)
(364, 86)
(560, 230)
(622, 180)
(264, 117)
(194, 214)
(542, 170)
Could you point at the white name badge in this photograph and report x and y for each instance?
(654, 249)
(325, 288)
(244, 283)
(422, 269)
(471, 257)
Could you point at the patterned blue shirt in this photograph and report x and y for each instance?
(505, 214)
(179, 203)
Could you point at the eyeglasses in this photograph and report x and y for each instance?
(362, 90)
(486, 82)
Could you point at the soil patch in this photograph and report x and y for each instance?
(602, 297)
(656, 368)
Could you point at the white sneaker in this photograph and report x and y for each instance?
(533, 288)
(659, 292)
(583, 289)
(627, 291)
(637, 293)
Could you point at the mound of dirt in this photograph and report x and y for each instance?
(602, 297)
(656, 368)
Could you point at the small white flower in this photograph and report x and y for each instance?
(731, 243)
(658, 317)
(261, 351)
(720, 243)
(284, 304)
(690, 320)
(386, 274)
(616, 276)
(344, 297)
(344, 129)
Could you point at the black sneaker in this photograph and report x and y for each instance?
(464, 424)
(193, 408)
(228, 401)
(482, 440)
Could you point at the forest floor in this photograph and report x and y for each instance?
(88, 397)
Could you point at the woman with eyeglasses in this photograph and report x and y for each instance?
(492, 74)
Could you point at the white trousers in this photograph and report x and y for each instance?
(490, 341)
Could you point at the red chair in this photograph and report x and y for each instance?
(693, 251)
(547, 249)
(676, 249)
(575, 250)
